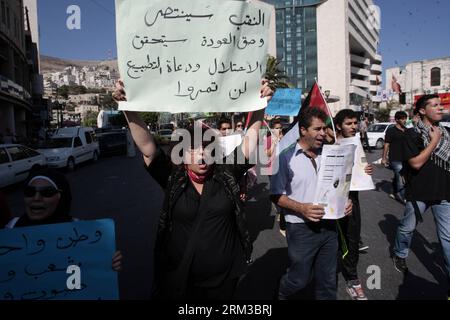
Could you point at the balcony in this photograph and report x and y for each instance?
(376, 69)
(360, 83)
(375, 78)
(378, 59)
(360, 71)
(358, 91)
(12, 89)
(360, 60)
(374, 88)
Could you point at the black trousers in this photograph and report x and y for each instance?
(351, 228)
(223, 292)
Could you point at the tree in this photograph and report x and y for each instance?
(90, 120)
(384, 115)
(150, 117)
(277, 78)
(63, 92)
(107, 102)
(70, 106)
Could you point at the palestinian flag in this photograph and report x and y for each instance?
(315, 99)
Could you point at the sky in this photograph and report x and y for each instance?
(410, 30)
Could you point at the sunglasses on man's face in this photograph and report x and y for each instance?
(46, 192)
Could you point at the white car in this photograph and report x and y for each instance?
(446, 121)
(16, 162)
(165, 136)
(377, 132)
(71, 146)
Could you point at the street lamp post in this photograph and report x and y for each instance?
(327, 94)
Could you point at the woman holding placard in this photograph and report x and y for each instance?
(203, 242)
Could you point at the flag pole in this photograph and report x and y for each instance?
(329, 110)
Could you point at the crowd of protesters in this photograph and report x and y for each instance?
(203, 245)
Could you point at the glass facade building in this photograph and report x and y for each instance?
(297, 40)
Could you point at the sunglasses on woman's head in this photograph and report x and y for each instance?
(46, 192)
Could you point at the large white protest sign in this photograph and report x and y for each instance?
(335, 175)
(192, 56)
(361, 181)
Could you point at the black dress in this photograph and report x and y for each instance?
(218, 258)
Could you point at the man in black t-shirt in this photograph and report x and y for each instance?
(393, 145)
(427, 162)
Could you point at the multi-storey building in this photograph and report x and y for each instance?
(418, 78)
(335, 42)
(19, 70)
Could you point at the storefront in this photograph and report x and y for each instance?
(445, 99)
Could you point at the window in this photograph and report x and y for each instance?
(77, 142)
(377, 128)
(17, 153)
(3, 12)
(8, 18)
(3, 156)
(31, 152)
(88, 137)
(435, 77)
(16, 27)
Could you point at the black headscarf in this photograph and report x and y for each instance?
(62, 212)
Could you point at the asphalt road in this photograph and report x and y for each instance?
(120, 189)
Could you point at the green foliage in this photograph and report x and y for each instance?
(150, 117)
(63, 92)
(96, 90)
(383, 115)
(277, 78)
(107, 102)
(90, 120)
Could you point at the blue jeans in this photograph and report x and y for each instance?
(312, 249)
(398, 185)
(441, 213)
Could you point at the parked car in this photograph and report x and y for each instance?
(71, 146)
(164, 136)
(113, 142)
(16, 161)
(446, 121)
(167, 126)
(377, 132)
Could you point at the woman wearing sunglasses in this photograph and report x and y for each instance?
(48, 199)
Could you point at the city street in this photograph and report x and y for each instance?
(119, 188)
